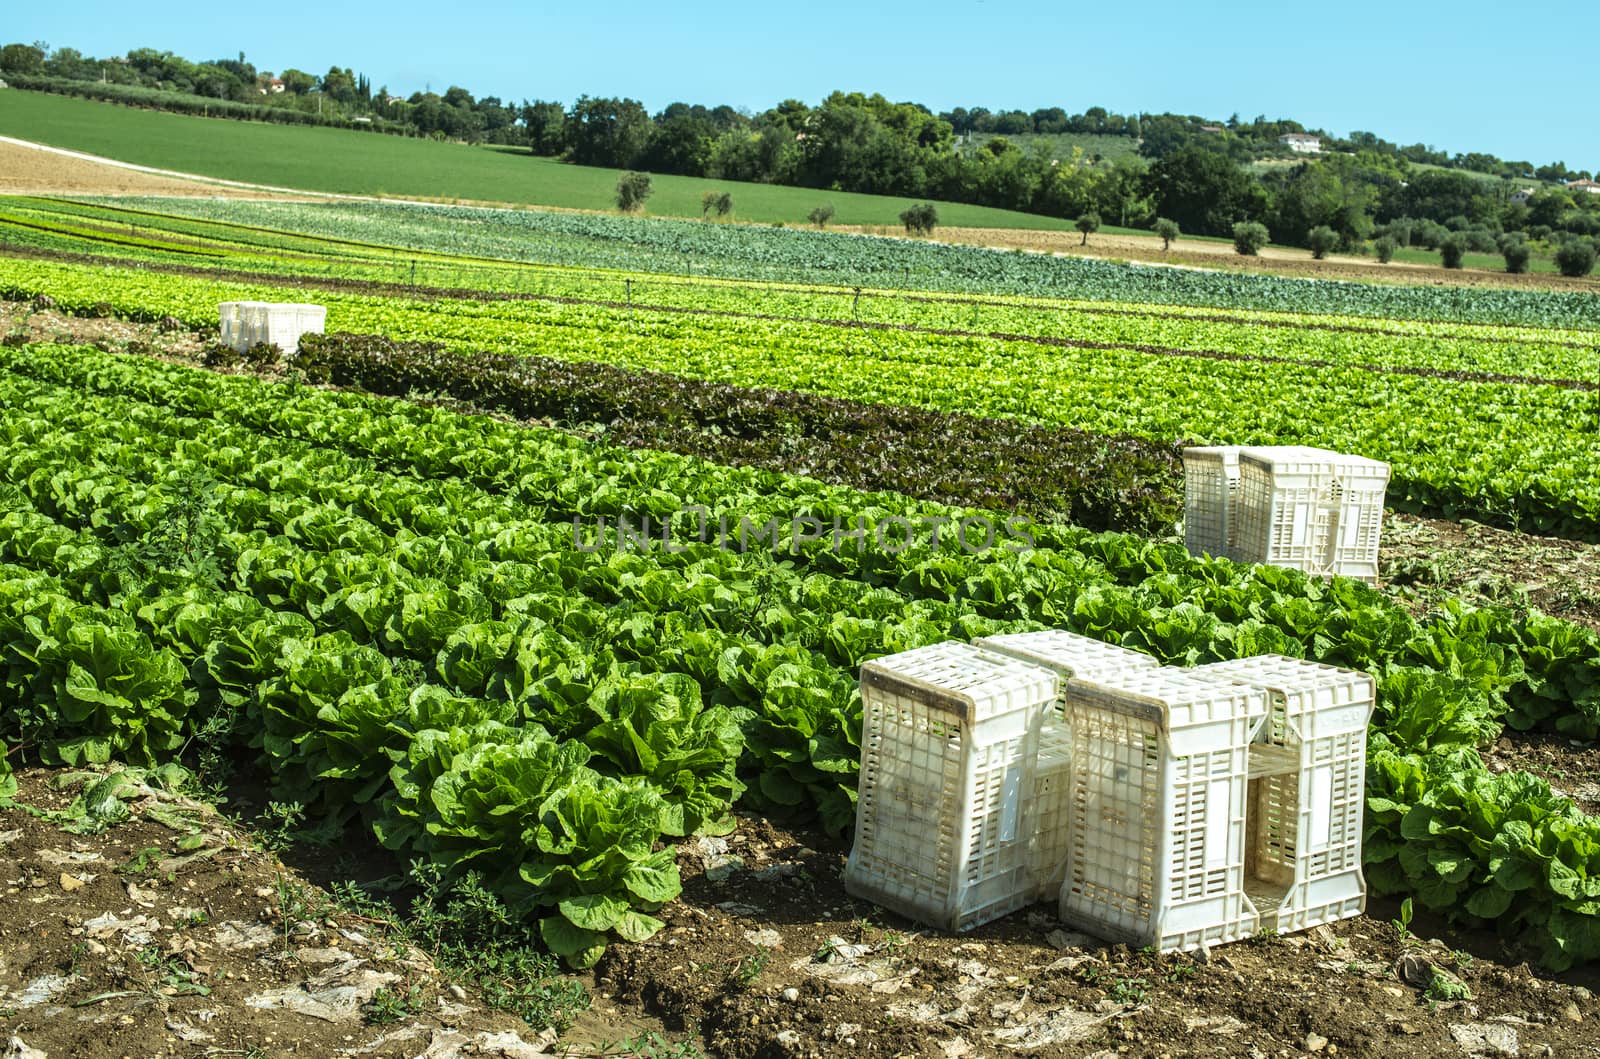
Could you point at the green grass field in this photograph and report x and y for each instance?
(1540, 262)
(338, 160)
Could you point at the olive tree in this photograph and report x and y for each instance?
(1089, 222)
(1249, 237)
(632, 190)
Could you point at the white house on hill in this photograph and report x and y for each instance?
(1301, 142)
(1521, 196)
(1584, 185)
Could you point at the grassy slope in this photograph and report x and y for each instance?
(337, 160)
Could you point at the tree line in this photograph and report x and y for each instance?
(1204, 177)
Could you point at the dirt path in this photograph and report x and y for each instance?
(28, 170)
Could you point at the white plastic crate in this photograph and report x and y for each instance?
(1069, 655)
(246, 324)
(1159, 776)
(1313, 510)
(1307, 778)
(1210, 479)
(949, 744)
(240, 323)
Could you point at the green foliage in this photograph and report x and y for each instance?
(387, 1005)
(1168, 230)
(1203, 191)
(1249, 237)
(8, 781)
(1385, 246)
(920, 219)
(1321, 240)
(410, 637)
(1575, 257)
(821, 215)
(1452, 249)
(21, 59)
(632, 190)
(719, 201)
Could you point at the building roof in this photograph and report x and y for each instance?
(1582, 184)
(1300, 136)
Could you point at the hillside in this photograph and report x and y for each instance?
(322, 159)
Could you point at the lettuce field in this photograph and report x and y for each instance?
(368, 566)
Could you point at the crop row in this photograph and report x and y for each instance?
(1510, 453)
(744, 251)
(332, 571)
(1055, 474)
(1506, 351)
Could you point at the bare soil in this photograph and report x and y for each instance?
(29, 171)
(1194, 253)
(124, 944)
(175, 934)
(1427, 560)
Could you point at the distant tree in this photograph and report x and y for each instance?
(1516, 252)
(546, 126)
(920, 219)
(1167, 230)
(1452, 249)
(708, 202)
(1089, 222)
(632, 190)
(608, 132)
(21, 59)
(1203, 191)
(339, 85)
(821, 215)
(1385, 246)
(1249, 237)
(723, 203)
(1321, 240)
(1575, 258)
(297, 82)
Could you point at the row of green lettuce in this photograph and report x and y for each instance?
(390, 609)
(1512, 454)
(1052, 473)
(744, 251)
(1544, 352)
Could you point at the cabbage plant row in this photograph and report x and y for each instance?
(386, 603)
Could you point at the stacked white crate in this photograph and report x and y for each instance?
(1313, 510)
(240, 323)
(1157, 836)
(1307, 778)
(1210, 479)
(248, 323)
(949, 743)
(1288, 505)
(1047, 813)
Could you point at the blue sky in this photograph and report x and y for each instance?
(1514, 80)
